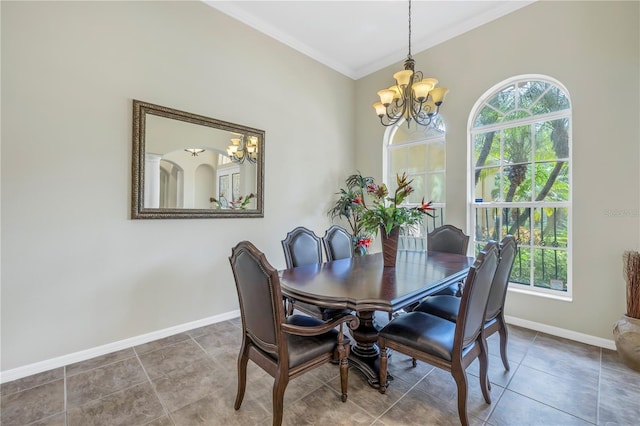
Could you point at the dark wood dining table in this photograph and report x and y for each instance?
(364, 285)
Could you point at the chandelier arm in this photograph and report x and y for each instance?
(395, 112)
(416, 107)
(424, 118)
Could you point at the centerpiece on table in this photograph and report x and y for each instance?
(388, 215)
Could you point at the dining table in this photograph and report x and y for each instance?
(364, 285)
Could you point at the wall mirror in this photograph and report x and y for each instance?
(190, 166)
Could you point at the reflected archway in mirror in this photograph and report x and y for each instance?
(181, 167)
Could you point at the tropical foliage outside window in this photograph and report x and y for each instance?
(418, 152)
(521, 153)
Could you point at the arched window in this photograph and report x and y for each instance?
(520, 178)
(419, 152)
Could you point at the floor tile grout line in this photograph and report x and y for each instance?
(153, 388)
(533, 341)
(494, 405)
(33, 386)
(551, 406)
(403, 395)
(99, 366)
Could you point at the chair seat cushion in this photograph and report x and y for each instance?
(305, 348)
(424, 332)
(446, 307)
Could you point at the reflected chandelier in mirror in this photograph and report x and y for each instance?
(186, 165)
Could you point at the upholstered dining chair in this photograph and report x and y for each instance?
(338, 243)
(445, 344)
(302, 247)
(285, 347)
(448, 307)
(448, 239)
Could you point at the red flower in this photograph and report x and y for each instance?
(357, 200)
(364, 242)
(425, 206)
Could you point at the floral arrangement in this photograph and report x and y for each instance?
(239, 204)
(387, 212)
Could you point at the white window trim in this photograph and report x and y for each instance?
(387, 146)
(471, 204)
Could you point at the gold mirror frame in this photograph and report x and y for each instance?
(138, 211)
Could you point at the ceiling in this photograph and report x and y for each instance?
(359, 37)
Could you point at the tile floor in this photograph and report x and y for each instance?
(190, 379)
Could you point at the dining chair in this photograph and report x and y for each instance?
(448, 307)
(445, 344)
(449, 239)
(338, 243)
(285, 347)
(303, 247)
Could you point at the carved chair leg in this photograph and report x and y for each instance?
(243, 359)
(460, 377)
(279, 386)
(504, 336)
(483, 359)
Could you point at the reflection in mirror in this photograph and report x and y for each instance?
(186, 166)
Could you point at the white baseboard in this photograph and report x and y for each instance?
(561, 332)
(39, 367)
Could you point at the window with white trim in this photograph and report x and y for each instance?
(419, 152)
(520, 180)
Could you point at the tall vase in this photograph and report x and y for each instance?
(626, 333)
(390, 246)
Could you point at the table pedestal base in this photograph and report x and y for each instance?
(365, 354)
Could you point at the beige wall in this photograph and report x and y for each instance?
(593, 49)
(77, 273)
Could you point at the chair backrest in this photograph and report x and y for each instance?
(302, 247)
(448, 239)
(259, 294)
(475, 296)
(498, 293)
(338, 243)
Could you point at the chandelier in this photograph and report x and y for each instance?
(194, 151)
(243, 148)
(412, 97)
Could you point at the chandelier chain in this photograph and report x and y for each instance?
(409, 29)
